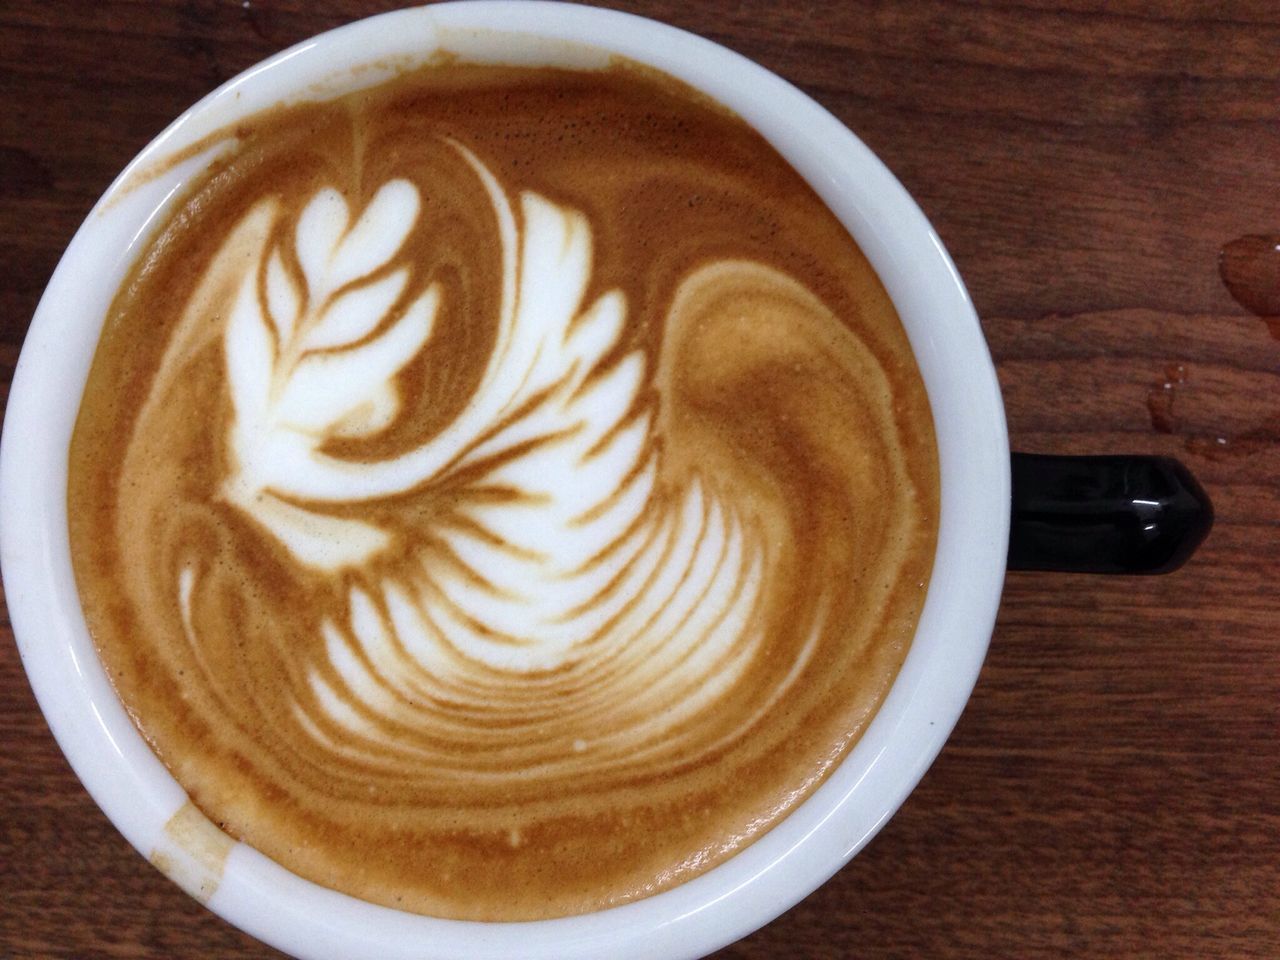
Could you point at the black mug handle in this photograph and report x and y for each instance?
(1105, 514)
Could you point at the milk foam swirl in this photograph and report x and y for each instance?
(501, 493)
(574, 588)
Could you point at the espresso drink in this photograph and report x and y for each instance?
(502, 493)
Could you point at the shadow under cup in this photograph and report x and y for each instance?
(145, 803)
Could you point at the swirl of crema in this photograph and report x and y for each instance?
(453, 567)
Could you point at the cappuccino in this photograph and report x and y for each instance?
(502, 493)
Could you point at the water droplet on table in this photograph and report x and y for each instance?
(1250, 269)
(1161, 396)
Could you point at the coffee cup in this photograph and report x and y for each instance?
(1118, 514)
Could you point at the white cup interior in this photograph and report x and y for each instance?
(313, 923)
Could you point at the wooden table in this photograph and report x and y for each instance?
(1113, 789)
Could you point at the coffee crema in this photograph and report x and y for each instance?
(502, 493)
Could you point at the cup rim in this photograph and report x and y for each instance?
(800, 852)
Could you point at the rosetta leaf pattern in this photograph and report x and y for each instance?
(311, 361)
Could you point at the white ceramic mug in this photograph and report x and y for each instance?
(134, 789)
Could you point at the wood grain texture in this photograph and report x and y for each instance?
(1113, 789)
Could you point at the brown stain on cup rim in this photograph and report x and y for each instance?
(193, 852)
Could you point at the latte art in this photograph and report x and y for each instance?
(560, 559)
(494, 527)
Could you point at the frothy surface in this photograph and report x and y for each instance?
(502, 493)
